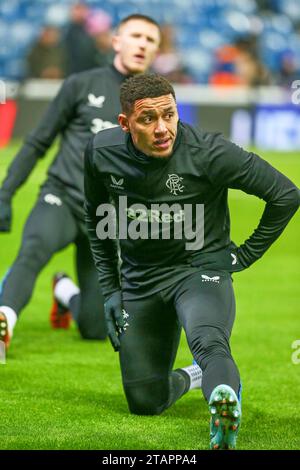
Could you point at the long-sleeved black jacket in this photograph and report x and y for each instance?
(199, 172)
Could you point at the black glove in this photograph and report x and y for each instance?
(222, 260)
(5, 215)
(115, 317)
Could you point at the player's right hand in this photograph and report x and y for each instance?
(5, 215)
(115, 322)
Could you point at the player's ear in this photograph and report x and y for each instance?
(123, 121)
(116, 43)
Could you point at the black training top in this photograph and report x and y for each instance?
(87, 103)
(199, 172)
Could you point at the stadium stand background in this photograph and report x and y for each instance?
(201, 27)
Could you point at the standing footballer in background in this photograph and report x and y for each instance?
(168, 174)
(86, 104)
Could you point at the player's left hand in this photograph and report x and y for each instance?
(114, 316)
(222, 260)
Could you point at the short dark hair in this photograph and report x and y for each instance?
(137, 16)
(144, 85)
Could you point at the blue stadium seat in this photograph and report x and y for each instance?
(291, 8)
(247, 7)
(236, 23)
(3, 31)
(15, 69)
(10, 10)
(210, 40)
(272, 45)
(21, 33)
(199, 63)
(34, 12)
(5, 53)
(57, 15)
(277, 23)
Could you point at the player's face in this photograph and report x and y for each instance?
(136, 46)
(152, 125)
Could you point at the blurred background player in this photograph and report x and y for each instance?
(47, 57)
(86, 104)
(239, 64)
(82, 39)
(81, 51)
(99, 26)
(169, 62)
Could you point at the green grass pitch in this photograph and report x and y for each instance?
(59, 392)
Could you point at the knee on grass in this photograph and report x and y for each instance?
(149, 398)
(92, 332)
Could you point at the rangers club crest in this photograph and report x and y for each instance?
(173, 183)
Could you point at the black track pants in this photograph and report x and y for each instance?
(203, 304)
